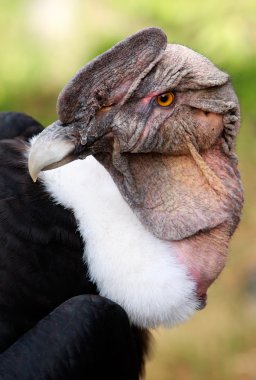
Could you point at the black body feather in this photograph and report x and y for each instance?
(41, 267)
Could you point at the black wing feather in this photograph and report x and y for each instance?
(87, 337)
(41, 267)
(17, 124)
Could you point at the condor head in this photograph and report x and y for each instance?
(162, 120)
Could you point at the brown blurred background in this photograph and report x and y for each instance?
(44, 42)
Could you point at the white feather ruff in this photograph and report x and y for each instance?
(129, 265)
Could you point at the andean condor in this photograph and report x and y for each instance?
(97, 251)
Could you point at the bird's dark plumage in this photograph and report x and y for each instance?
(87, 337)
(41, 267)
(18, 124)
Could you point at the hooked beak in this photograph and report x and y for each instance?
(58, 145)
(52, 148)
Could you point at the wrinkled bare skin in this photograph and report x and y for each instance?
(176, 199)
(183, 203)
(175, 166)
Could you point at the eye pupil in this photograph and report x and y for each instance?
(164, 98)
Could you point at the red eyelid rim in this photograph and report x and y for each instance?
(154, 95)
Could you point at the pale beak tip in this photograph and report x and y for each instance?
(33, 175)
(32, 169)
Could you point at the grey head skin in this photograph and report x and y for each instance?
(162, 119)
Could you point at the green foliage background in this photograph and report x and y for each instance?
(44, 42)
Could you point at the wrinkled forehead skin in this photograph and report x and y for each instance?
(190, 71)
(182, 66)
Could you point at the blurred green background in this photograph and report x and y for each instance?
(44, 42)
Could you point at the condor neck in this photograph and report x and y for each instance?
(129, 265)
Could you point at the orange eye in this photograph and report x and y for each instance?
(164, 100)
